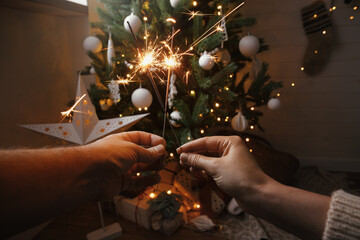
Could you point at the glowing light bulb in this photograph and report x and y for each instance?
(202, 131)
(197, 206)
(251, 127)
(138, 174)
(218, 119)
(355, 8)
(334, 7)
(168, 192)
(316, 51)
(194, 3)
(250, 150)
(324, 32)
(188, 138)
(191, 48)
(226, 88)
(211, 110)
(131, 66)
(217, 105)
(120, 115)
(127, 75)
(252, 108)
(315, 15)
(231, 75)
(302, 68)
(145, 108)
(293, 84)
(351, 17)
(152, 195)
(171, 155)
(247, 139)
(278, 94)
(200, 115)
(145, 19)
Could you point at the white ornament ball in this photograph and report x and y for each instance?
(274, 104)
(206, 61)
(249, 46)
(239, 122)
(175, 117)
(92, 70)
(134, 22)
(174, 3)
(92, 44)
(141, 98)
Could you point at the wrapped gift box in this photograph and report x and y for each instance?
(128, 207)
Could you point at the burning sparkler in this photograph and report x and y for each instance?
(67, 113)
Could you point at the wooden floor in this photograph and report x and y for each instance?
(78, 223)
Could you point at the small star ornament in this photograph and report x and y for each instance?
(85, 126)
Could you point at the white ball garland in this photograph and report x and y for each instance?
(141, 98)
(174, 3)
(274, 104)
(134, 22)
(206, 61)
(92, 44)
(239, 122)
(249, 46)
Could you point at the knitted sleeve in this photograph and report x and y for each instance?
(343, 220)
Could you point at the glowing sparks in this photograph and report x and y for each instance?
(193, 14)
(72, 109)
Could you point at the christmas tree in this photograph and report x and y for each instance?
(185, 54)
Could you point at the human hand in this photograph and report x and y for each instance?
(121, 157)
(228, 161)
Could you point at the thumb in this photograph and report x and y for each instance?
(197, 160)
(150, 155)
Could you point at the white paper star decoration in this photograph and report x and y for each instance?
(85, 126)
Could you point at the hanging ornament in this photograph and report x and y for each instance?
(249, 46)
(172, 91)
(239, 122)
(141, 98)
(103, 105)
(224, 56)
(114, 91)
(174, 3)
(134, 22)
(223, 29)
(110, 51)
(274, 104)
(206, 61)
(175, 117)
(92, 70)
(92, 44)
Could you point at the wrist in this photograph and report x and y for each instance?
(255, 194)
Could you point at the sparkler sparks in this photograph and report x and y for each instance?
(68, 112)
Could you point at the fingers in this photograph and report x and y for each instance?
(150, 155)
(202, 145)
(143, 138)
(198, 161)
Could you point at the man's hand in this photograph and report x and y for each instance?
(125, 154)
